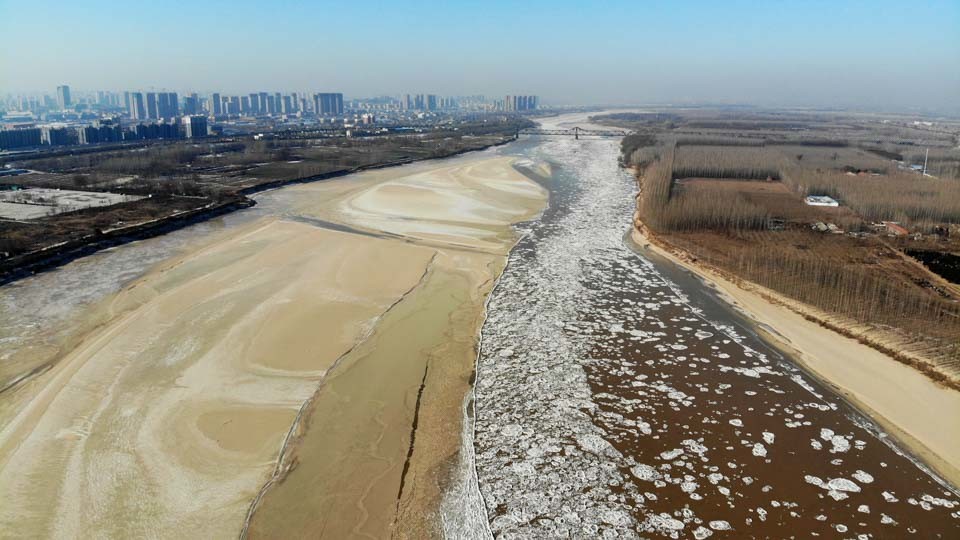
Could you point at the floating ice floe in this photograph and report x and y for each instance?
(862, 477)
(581, 339)
(702, 532)
(645, 472)
(671, 454)
(720, 525)
(842, 484)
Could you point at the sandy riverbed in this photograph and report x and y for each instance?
(923, 415)
(168, 419)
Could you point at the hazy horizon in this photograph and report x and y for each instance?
(877, 55)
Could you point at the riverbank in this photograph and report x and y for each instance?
(55, 255)
(617, 395)
(382, 433)
(352, 310)
(922, 414)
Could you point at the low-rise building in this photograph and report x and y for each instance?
(894, 229)
(820, 200)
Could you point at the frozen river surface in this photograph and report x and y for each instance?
(613, 400)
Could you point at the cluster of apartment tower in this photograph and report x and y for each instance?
(164, 115)
(520, 103)
(104, 130)
(159, 106)
(164, 105)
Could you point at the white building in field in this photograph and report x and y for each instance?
(820, 200)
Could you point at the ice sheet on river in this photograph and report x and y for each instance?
(608, 405)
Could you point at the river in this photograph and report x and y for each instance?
(614, 393)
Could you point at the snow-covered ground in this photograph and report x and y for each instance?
(35, 203)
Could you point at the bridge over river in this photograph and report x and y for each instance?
(575, 132)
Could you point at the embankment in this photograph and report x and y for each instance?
(920, 412)
(27, 264)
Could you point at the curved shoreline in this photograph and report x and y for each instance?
(878, 385)
(404, 432)
(284, 460)
(223, 344)
(51, 257)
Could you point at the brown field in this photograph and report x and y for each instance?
(918, 203)
(774, 197)
(833, 158)
(861, 279)
(189, 175)
(714, 188)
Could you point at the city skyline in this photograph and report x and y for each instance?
(568, 52)
(153, 105)
(83, 118)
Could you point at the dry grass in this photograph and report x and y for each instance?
(722, 220)
(776, 198)
(906, 197)
(746, 162)
(888, 195)
(941, 162)
(817, 157)
(676, 210)
(859, 279)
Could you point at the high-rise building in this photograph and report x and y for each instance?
(245, 107)
(103, 131)
(216, 106)
(430, 103)
(262, 103)
(328, 104)
(195, 126)
(520, 103)
(191, 105)
(167, 105)
(63, 97)
(137, 109)
(54, 136)
(160, 130)
(19, 138)
(286, 106)
(153, 106)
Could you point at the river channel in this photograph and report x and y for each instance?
(333, 328)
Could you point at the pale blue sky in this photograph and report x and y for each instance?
(872, 54)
